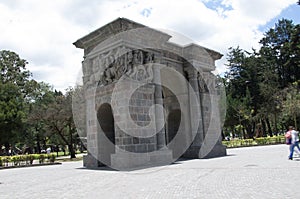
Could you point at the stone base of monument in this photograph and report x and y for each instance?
(90, 161)
(217, 150)
(130, 161)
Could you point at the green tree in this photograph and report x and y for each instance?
(14, 90)
(242, 89)
(59, 119)
(281, 66)
(260, 77)
(37, 130)
(278, 50)
(291, 102)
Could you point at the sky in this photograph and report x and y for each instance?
(43, 32)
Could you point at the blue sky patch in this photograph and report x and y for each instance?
(291, 12)
(146, 12)
(215, 4)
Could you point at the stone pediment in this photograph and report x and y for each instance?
(119, 25)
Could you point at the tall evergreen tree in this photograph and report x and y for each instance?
(264, 75)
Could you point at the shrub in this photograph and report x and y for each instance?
(260, 141)
(257, 141)
(31, 158)
(41, 158)
(16, 160)
(26, 159)
(51, 157)
(22, 159)
(6, 160)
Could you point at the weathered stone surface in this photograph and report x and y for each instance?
(148, 101)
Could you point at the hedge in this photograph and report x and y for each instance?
(254, 142)
(18, 160)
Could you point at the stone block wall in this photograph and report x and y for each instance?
(136, 136)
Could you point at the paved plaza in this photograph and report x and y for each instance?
(253, 172)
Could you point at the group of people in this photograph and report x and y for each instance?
(292, 139)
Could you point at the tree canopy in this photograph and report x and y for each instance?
(263, 85)
(32, 115)
(15, 89)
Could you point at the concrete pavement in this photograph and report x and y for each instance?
(253, 172)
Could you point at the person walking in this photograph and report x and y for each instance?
(294, 141)
(48, 150)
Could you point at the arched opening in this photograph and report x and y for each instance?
(173, 124)
(106, 121)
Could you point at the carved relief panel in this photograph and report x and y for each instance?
(112, 65)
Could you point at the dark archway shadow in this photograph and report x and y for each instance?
(106, 120)
(173, 122)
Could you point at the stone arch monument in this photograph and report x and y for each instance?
(148, 101)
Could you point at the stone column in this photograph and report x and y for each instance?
(211, 146)
(91, 160)
(207, 90)
(195, 108)
(159, 113)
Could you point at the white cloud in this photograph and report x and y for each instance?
(42, 32)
